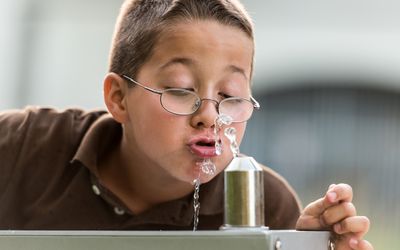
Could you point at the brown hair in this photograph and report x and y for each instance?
(141, 22)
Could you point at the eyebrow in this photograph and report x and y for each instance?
(178, 60)
(188, 62)
(236, 69)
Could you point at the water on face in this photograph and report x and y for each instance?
(207, 166)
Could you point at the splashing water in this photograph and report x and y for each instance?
(218, 142)
(221, 120)
(196, 203)
(230, 133)
(207, 166)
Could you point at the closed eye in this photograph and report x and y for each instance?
(223, 95)
(188, 89)
(178, 92)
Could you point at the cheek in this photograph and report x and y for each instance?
(149, 121)
(240, 132)
(146, 111)
(160, 126)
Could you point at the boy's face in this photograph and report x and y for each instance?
(212, 59)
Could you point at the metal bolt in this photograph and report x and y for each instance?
(278, 244)
(331, 244)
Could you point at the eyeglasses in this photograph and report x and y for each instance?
(186, 102)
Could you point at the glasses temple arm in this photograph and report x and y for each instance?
(255, 103)
(141, 85)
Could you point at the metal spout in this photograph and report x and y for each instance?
(244, 194)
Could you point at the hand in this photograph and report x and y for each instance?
(336, 212)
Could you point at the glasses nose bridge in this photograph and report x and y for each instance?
(216, 103)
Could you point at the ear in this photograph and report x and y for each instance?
(114, 91)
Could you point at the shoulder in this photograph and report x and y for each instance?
(41, 124)
(32, 133)
(282, 204)
(23, 118)
(34, 124)
(278, 183)
(36, 147)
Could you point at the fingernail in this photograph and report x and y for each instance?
(331, 186)
(331, 196)
(353, 243)
(338, 228)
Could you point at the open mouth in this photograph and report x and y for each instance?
(205, 143)
(203, 147)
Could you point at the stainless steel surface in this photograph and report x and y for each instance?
(163, 240)
(244, 194)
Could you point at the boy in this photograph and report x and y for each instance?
(174, 66)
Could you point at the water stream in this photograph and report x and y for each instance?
(196, 203)
(207, 166)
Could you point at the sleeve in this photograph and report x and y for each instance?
(13, 128)
(282, 205)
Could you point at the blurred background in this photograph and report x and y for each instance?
(327, 76)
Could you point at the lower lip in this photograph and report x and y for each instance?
(202, 151)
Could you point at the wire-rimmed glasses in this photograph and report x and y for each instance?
(180, 101)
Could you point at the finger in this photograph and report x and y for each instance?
(311, 218)
(358, 225)
(338, 212)
(308, 222)
(316, 208)
(338, 193)
(359, 244)
(317, 217)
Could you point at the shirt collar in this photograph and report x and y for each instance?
(101, 136)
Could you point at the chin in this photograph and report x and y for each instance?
(206, 178)
(194, 171)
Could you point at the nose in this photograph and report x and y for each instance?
(205, 116)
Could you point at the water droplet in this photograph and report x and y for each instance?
(220, 121)
(223, 119)
(218, 147)
(230, 133)
(207, 166)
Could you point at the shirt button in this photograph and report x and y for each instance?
(119, 211)
(96, 190)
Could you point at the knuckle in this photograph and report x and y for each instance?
(349, 209)
(326, 219)
(344, 224)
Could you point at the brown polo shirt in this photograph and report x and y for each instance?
(49, 179)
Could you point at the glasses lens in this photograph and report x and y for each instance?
(180, 101)
(238, 108)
